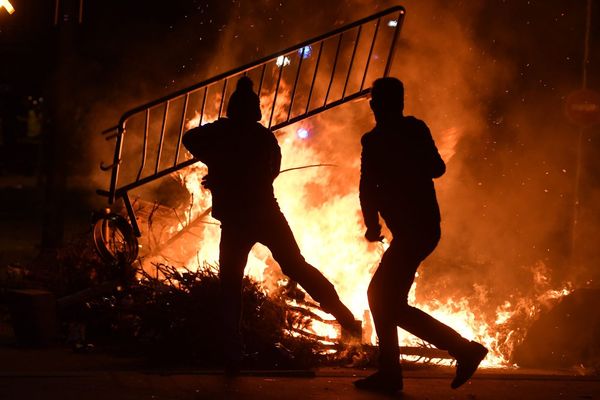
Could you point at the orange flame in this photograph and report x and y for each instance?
(328, 226)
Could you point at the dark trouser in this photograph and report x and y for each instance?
(388, 298)
(270, 228)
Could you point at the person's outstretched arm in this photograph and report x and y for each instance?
(368, 195)
(200, 142)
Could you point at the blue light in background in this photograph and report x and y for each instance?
(307, 51)
(302, 133)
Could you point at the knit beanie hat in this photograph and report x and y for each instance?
(244, 104)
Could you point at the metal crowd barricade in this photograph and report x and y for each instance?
(294, 84)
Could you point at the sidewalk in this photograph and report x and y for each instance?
(58, 373)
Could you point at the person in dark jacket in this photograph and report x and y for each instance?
(243, 159)
(398, 164)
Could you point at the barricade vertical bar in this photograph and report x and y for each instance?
(388, 64)
(262, 78)
(362, 84)
(203, 105)
(351, 61)
(80, 19)
(276, 93)
(181, 127)
(131, 214)
(295, 83)
(312, 84)
(162, 136)
(222, 98)
(337, 54)
(145, 144)
(116, 163)
(56, 12)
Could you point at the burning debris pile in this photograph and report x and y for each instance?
(173, 317)
(170, 316)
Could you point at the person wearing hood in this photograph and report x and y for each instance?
(399, 161)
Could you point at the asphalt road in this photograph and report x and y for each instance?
(60, 374)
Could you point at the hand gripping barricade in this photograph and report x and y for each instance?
(294, 84)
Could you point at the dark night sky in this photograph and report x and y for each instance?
(168, 46)
(130, 52)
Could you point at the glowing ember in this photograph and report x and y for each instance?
(302, 133)
(305, 51)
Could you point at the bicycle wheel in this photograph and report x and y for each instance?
(114, 239)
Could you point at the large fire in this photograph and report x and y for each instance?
(322, 206)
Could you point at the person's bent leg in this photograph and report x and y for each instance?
(278, 237)
(468, 354)
(233, 255)
(426, 327)
(409, 256)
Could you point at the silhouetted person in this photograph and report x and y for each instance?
(243, 159)
(398, 162)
